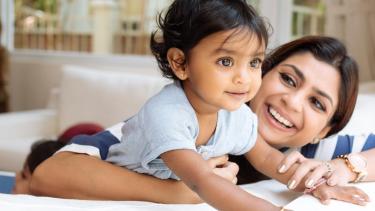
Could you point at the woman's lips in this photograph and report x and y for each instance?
(277, 121)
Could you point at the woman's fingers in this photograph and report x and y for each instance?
(324, 169)
(289, 160)
(218, 161)
(302, 170)
(352, 195)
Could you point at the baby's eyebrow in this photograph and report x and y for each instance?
(235, 52)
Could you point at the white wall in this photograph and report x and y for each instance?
(33, 75)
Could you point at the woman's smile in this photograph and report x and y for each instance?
(278, 121)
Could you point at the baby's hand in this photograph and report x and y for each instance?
(224, 168)
(315, 169)
(349, 194)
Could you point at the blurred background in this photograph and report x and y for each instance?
(39, 36)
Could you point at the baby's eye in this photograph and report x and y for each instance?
(287, 79)
(227, 62)
(255, 63)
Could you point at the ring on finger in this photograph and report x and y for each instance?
(329, 167)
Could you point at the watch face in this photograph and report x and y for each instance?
(358, 162)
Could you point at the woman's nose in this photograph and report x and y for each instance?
(294, 101)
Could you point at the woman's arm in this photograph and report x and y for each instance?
(70, 175)
(266, 159)
(342, 174)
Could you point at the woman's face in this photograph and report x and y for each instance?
(296, 101)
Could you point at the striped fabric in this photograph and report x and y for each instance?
(334, 146)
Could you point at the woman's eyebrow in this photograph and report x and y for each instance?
(302, 77)
(296, 70)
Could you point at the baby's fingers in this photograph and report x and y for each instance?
(218, 161)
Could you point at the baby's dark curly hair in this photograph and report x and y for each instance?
(186, 22)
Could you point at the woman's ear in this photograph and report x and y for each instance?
(176, 59)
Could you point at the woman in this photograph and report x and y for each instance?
(306, 84)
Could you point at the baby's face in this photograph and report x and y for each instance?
(224, 70)
(22, 182)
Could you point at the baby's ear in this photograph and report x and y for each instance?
(176, 59)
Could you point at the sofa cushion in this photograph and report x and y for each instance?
(103, 97)
(363, 117)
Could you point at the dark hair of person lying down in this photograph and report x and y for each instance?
(40, 151)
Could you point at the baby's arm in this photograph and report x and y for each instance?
(266, 159)
(218, 192)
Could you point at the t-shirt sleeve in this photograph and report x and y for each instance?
(168, 128)
(245, 130)
(339, 144)
(96, 145)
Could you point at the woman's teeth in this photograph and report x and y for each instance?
(279, 118)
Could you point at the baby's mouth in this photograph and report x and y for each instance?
(280, 119)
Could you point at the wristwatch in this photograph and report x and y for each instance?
(357, 164)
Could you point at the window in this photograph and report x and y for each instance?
(307, 18)
(116, 26)
(83, 25)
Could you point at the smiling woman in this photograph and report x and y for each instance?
(296, 98)
(308, 92)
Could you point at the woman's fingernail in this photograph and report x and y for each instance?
(282, 169)
(309, 183)
(291, 184)
(358, 197)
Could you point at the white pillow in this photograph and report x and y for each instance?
(103, 97)
(363, 117)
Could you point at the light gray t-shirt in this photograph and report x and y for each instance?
(168, 122)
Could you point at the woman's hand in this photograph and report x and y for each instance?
(349, 194)
(224, 168)
(312, 169)
(336, 171)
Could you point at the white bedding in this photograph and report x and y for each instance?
(309, 203)
(270, 190)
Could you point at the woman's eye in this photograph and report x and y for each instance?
(226, 62)
(255, 63)
(318, 104)
(287, 79)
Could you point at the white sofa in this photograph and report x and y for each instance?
(84, 95)
(107, 97)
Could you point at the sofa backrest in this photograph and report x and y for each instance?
(362, 121)
(103, 97)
